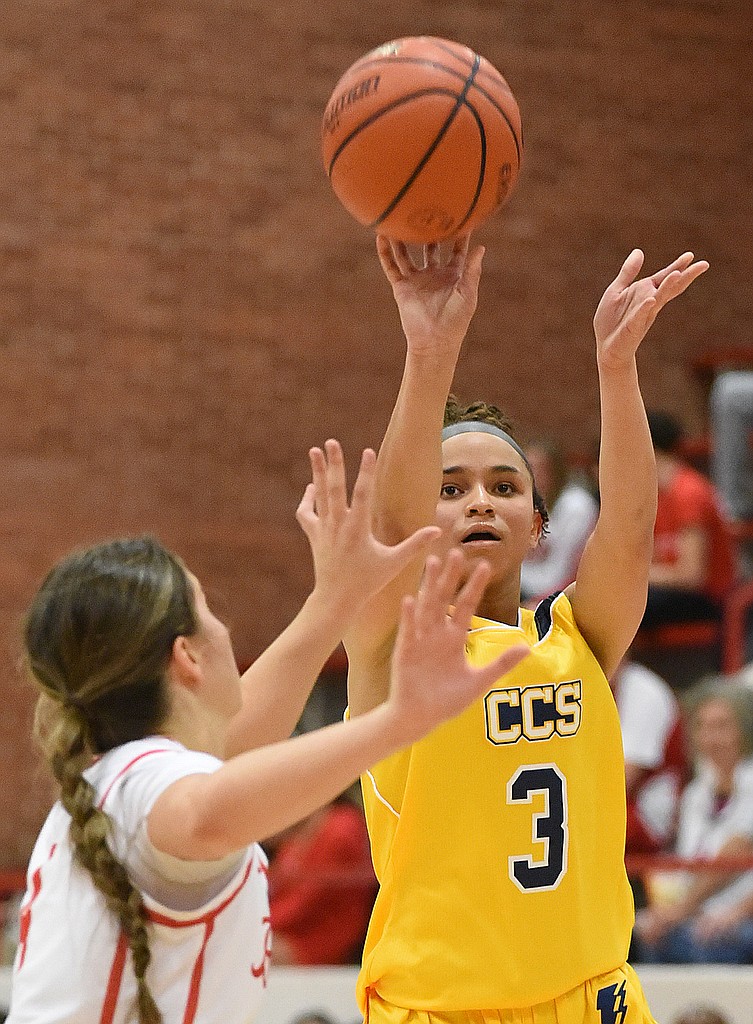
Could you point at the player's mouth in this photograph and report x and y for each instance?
(479, 535)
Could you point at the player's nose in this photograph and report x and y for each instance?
(478, 502)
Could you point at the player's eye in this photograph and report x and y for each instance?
(450, 491)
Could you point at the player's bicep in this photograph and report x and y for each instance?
(609, 596)
(176, 825)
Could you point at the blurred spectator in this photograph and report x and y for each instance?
(705, 916)
(573, 511)
(313, 1017)
(694, 557)
(701, 1015)
(731, 405)
(321, 887)
(656, 763)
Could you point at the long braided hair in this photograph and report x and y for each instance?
(98, 638)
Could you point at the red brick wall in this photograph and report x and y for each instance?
(185, 308)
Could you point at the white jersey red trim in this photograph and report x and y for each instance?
(73, 966)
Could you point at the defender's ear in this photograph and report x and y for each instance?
(184, 666)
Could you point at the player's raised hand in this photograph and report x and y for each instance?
(350, 564)
(432, 680)
(436, 298)
(629, 307)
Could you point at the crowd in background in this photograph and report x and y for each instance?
(688, 743)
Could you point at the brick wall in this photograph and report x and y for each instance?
(185, 308)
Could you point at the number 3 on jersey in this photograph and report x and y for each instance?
(548, 827)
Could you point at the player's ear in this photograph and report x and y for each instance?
(183, 666)
(537, 525)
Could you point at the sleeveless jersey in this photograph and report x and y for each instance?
(498, 840)
(73, 965)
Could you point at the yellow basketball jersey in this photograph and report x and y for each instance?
(498, 840)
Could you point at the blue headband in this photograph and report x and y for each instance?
(476, 427)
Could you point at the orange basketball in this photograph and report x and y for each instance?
(422, 139)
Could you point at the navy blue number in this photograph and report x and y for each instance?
(612, 1004)
(548, 827)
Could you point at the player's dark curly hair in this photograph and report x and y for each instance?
(98, 638)
(483, 412)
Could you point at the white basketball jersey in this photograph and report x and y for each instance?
(73, 964)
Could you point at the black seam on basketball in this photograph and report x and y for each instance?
(427, 155)
(482, 168)
(384, 110)
(518, 142)
(462, 57)
(491, 72)
(456, 74)
(421, 61)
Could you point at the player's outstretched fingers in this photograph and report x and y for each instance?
(427, 599)
(389, 263)
(681, 263)
(629, 270)
(319, 478)
(451, 571)
(468, 599)
(459, 252)
(337, 495)
(439, 588)
(306, 511)
(432, 253)
(362, 497)
(506, 662)
(401, 258)
(676, 282)
(413, 547)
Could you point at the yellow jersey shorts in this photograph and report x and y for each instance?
(612, 998)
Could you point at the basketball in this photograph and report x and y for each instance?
(422, 140)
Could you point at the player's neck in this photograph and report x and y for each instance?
(501, 602)
(193, 725)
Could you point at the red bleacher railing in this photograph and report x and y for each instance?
(730, 632)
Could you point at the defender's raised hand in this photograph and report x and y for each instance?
(350, 564)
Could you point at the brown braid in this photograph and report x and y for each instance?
(98, 639)
(69, 754)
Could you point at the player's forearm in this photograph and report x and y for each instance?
(409, 464)
(277, 685)
(408, 481)
(261, 792)
(627, 467)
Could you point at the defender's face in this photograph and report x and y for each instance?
(486, 503)
(217, 658)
